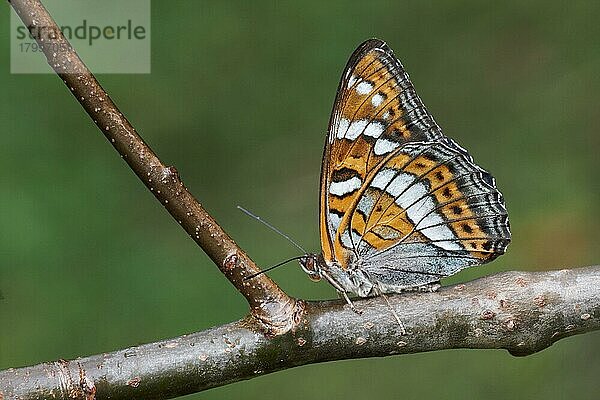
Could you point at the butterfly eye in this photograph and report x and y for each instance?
(309, 265)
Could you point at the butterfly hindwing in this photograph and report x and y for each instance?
(399, 199)
(429, 191)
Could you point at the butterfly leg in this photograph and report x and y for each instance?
(344, 295)
(398, 320)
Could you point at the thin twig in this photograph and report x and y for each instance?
(274, 311)
(518, 311)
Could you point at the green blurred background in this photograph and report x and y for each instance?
(238, 100)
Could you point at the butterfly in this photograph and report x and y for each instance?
(401, 204)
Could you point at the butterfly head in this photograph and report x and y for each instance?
(311, 265)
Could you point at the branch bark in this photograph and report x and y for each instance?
(522, 312)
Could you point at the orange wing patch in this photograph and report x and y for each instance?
(381, 223)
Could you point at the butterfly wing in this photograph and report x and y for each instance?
(387, 171)
(428, 212)
(375, 111)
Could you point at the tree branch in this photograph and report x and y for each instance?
(272, 308)
(523, 312)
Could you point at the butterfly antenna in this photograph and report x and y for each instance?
(272, 267)
(262, 221)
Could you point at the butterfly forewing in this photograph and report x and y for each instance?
(376, 110)
(396, 194)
